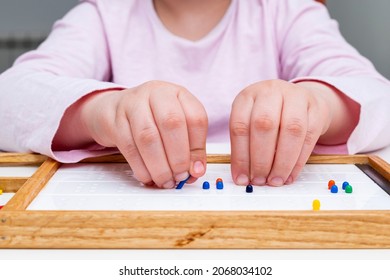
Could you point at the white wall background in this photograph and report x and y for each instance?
(365, 24)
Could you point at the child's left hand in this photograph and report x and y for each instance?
(274, 126)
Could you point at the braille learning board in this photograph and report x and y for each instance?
(98, 204)
(111, 186)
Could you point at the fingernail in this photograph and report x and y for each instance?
(259, 181)
(277, 181)
(182, 176)
(289, 180)
(242, 180)
(168, 185)
(198, 167)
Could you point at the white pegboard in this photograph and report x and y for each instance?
(112, 187)
(17, 171)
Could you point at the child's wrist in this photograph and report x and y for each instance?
(73, 132)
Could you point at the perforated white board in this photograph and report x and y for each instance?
(17, 171)
(111, 186)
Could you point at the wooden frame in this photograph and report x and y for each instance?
(20, 228)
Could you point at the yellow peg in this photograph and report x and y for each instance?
(316, 205)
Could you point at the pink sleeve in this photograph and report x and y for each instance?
(42, 84)
(312, 48)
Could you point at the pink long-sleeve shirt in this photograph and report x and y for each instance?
(103, 44)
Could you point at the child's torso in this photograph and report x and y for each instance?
(239, 51)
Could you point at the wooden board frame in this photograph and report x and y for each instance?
(21, 228)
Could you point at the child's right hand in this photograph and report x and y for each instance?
(159, 127)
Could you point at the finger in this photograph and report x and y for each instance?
(197, 125)
(264, 130)
(171, 122)
(239, 138)
(312, 135)
(292, 134)
(148, 141)
(126, 145)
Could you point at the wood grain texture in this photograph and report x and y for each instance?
(21, 159)
(11, 184)
(339, 159)
(191, 229)
(35, 159)
(33, 186)
(315, 159)
(218, 158)
(116, 158)
(380, 165)
(195, 229)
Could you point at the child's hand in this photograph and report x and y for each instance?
(274, 127)
(159, 127)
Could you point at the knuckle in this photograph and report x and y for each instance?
(157, 84)
(239, 128)
(270, 86)
(154, 84)
(180, 89)
(295, 127)
(172, 121)
(310, 138)
(148, 136)
(263, 88)
(199, 121)
(130, 150)
(246, 94)
(264, 123)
